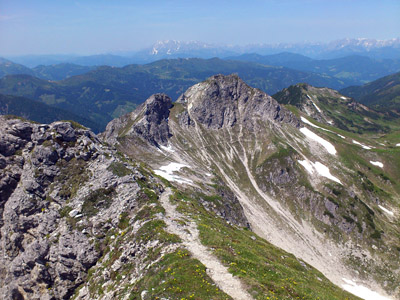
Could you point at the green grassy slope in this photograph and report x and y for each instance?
(343, 112)
(268, 272)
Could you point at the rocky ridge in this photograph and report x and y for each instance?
(222, 101)
(64, 198)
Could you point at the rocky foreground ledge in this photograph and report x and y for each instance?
(64, 197)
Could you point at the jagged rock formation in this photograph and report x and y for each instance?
(223, 101)
(219, 102)
(151, 121)
(62, 195)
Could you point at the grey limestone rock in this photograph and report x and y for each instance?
(153, 126)
(59, 201)
(149, 121)
(65, 131)
(223, 101)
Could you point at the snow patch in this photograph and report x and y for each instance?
(376, 163)
(386, 210)
(398, 145)
(168, 148)
(365, 147)
(344, 98)
(327, 145)
(168, 170)
(324, 171)
(317, 107)
(361, 291)
(304, 120)
(320, 111)
(307, 165)
(321, 169)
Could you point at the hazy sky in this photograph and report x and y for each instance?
(99, 26)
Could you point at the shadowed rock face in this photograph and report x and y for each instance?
(153, 126)
(149, 121)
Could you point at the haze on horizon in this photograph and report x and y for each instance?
(103, 26)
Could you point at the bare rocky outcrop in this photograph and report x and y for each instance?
(150, 122)
(223, 101)
(219, 102)
(30, 262)
(62, 195)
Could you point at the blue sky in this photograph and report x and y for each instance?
(100, 26)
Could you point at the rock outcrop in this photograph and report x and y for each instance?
(62, 197)
(223, 101)
(219, 102)
(150, 122)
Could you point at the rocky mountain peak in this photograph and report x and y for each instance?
(150, 122)
(223, 100)
(156, 108)
(152, 117)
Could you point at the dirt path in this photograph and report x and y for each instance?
(190, 239)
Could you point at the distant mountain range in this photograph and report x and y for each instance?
(356, 61)
(108, 92)
(99, 94)
(354, 69)
(377, 49)
(49, 72)
(360, 69)
(339, 48)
